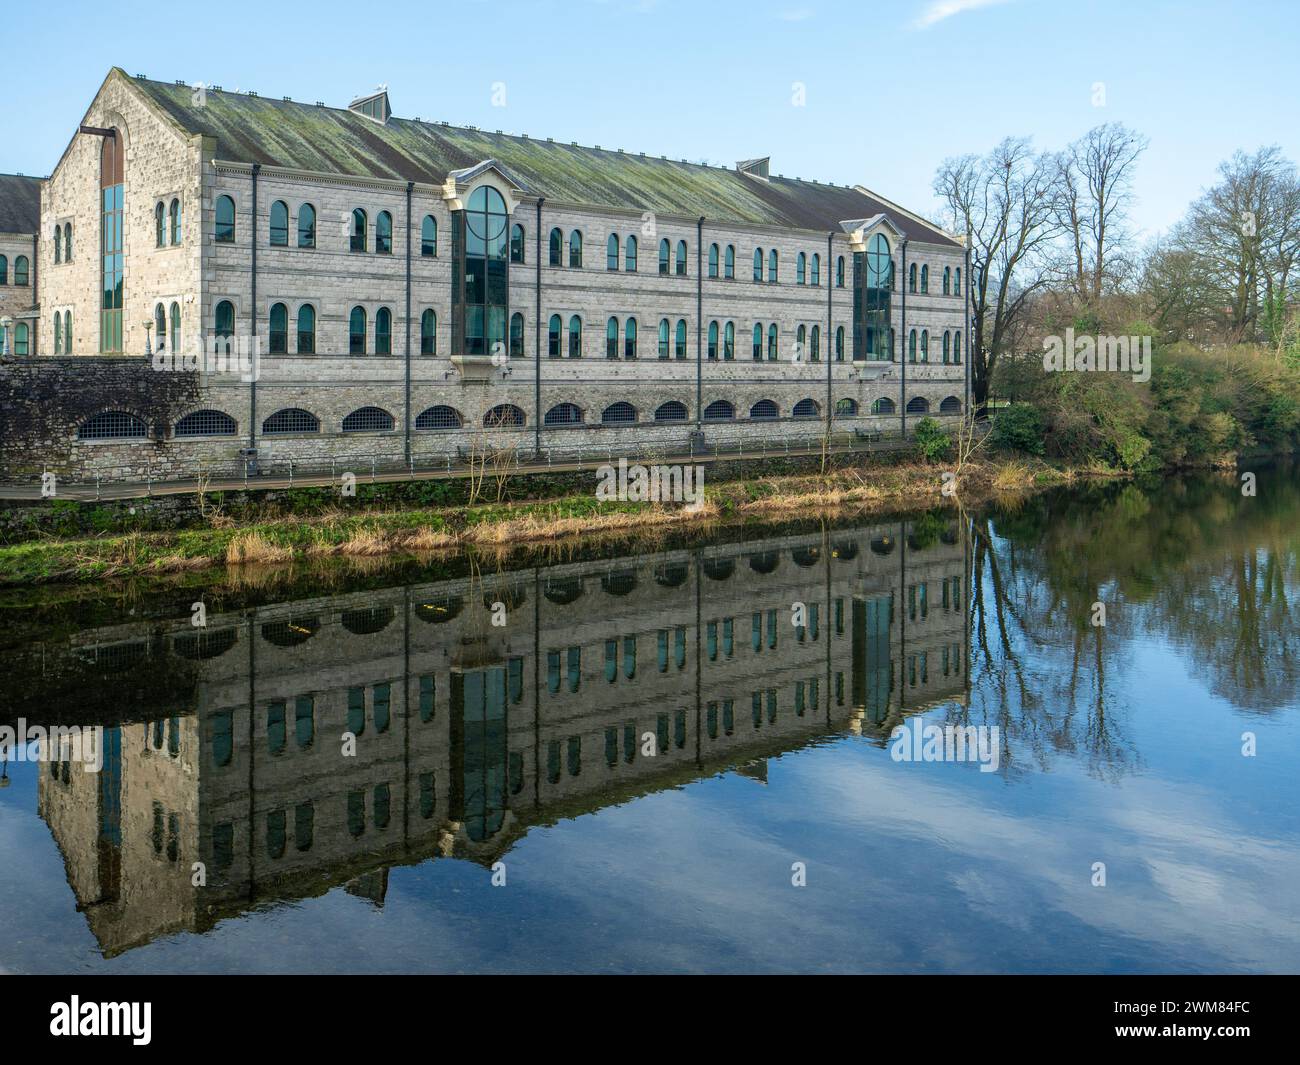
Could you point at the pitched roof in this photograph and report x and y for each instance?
(20, 203)
(253, 129)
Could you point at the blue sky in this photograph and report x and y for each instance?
(891, 88)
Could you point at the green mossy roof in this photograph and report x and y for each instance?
(252, 129)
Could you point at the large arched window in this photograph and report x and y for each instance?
(306, 329)
(672, 411)
(815, 345)
(665, 338)
(384, 233)
(816, 278)
(611, 252)
(758, 264)
(620, 413)
(504, 416)
(719, 411)
(772, 342)
(306, 226)
(665, 256)
(563, 414)
(713, 342)
(20, 270)
(516, 243)
(681, 258)
(729, 263)
(918, 405)
(368, 420)
(575, 249)
(482, 293)
(110, 186)
(575, 337)
(679, 339)
(801, 269)
(884, 405)
(806, 408)
(224, 233)
(112, 425)
(429, 237)
(950, 405)
(205, 423)
(159, 328)
(279, 228)
(629, 255)
(629, 339)
(174, 217)
(517, 335)
(846, 408)
(925, 278)
(357, 331)
(947, 277)
(911, 278)
(439, 417)
(875, 302)
(357, 238)
(764, 409)
(429, 332)
(223, 321)
(159, 225)
(713, 260)
(925, 345)
(277, 331)
(291, 420)
(611, 339)
(20, 339)
(383, 331)
(758, 342)
(554, 328)
(556, 249)
(773, 261)
(729, 342)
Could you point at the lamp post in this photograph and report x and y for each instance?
(148, 325)
(6, 323)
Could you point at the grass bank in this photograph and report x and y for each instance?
(414, 530)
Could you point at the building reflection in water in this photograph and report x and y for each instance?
(467, 734)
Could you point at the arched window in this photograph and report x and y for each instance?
(950, 405)
(357, 331)
(947, 342)
(672, 411)
(553, 330)
(368, 420)
(174, 217)
(160, 224)
(611, 339)
(20, 270)
(911, 278)
(575, 249)
(357, 241)
(556, 248)
(729, 342)
(815, 354)
(306, 329)
(58, 333)
(883, 405)
(801, 269)
(665, 254)
(516, 336)
(20, 338)
(516, 243)
(439, 417)
(758, 264)
(719, 411)
(925, 345)
(278, 329)
(205, 423)
(225, 221)
(4, 270)
(681, 258)
(618, 414)
(58, 245)
(771, 342)
(679, 339)
(480, 295)
(384, 233)
(816, 278)
(839, 272)
(911, 346)
(429, 332)
(306, 226)
(629, 258)
(279, 228)
(713, 260)
(758, 342)
(291, 420)
(611, 252)
(563, 414)
(800, 341)
(947, 277)
(383, 331)
(713, 341)
(67, 331)
(729, 263)
(772, 262)
(112, 425)
(112, 259)
(575, 337)
(846, 408)
(67, 239)
(665, 329)
(159, 327)
(839, 344)
(764, 409)
(925, 278)
(176, 328)
(918, 405)
(504, 416)
(956, 347)
(806, 408)
(429, 237)
(629, 339)
(224, 320)
(956, 288)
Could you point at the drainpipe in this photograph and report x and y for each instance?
(410, 185)
(537, 334)
(903, 352)
(252, 384)
(699, 323)
(830, 328)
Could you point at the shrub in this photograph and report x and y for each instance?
(1018, 427)
(932, 442)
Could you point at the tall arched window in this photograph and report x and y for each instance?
(629, 257)
(713, 260)
(516, 243)
(758, 264)
(575, 249)
(816, 344)
(925, 278)
(20, 338)
(665, 256)
(553, 330)
(629, 339)
(611, 252)
(758, 342)
(713, 342)
(67, 328)
(223, 324)
(679, 339)
(67, 238)
(947, 276)
(611, 339)
(516, 336)
(357, 331)
(176, 328)
(947, 341)
(306, 226)
(665, 338)
(839, 344)
(306, 329)
(556, 250)
(224, 233)
(839, 272)
(159, 327)
(58, 333)
(383, 331)
(384, 233)
(816, 278)
(279, 227)
(429, 237)
(110, 186)
(911, 346)
(875, 300)
(481, 294)
(729, 263)
(729, 342)
(159, 224)
(174, 221)
(773, 261)
(801, 341)
(956, 347)
(429, 332)
(956, 288)
(575, 337)
(771, 342)
(801, 269)
(925, 345)
(357, 239)
(58, 245)
(20, 270)
(681, 258)
(4, 270)
(911, 278)
(278, 329)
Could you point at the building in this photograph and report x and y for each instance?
(417, 288)
(20, 216)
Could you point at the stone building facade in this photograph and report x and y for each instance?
(615, 300)
(20, 203)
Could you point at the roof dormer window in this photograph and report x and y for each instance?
(374, 106)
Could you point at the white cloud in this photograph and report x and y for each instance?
(939, 10)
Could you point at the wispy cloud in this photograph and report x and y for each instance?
(938, 10)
